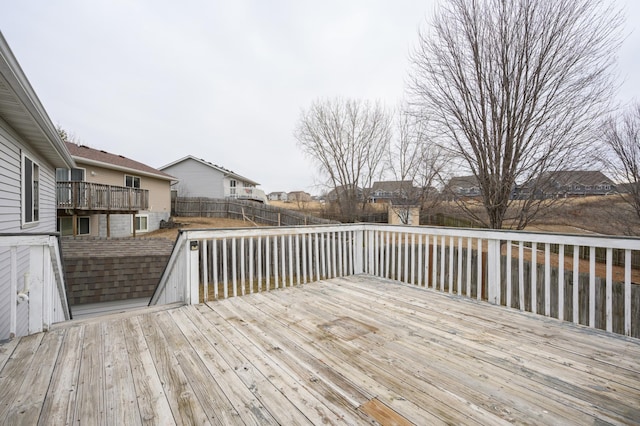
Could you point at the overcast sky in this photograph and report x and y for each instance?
(224, 81)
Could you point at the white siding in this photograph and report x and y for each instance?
(197, 179)
(10, 187)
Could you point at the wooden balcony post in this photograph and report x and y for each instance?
(493, 271)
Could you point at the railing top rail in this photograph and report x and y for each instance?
(606, 241)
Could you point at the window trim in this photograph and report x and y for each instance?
(146, 216)
(35, 192)
(133, 178)
(78, 218)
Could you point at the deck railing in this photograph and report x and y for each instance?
(33, 273)
(100, 197)
(535, 272)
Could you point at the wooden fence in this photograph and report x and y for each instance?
(243, 210)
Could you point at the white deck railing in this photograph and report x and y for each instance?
(533, 272)
(35, 280)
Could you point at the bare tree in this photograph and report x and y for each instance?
(347, 139)
(622, 135)
(411, 158)
(513, 89)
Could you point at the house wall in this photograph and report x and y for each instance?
(159, 200)
(197, 179)
(11, 148)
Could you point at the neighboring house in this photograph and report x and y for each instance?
(200, 178)
(108, 195)
(461, 187)
(393, 191)
(569, 183)
(299, 197)
(342, 191)
(32, 288)
(278, 196)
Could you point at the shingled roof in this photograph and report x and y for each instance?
(99, 157)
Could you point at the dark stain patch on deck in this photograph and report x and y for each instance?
(383, 414)
(347, 328)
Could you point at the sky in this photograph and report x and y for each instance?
(225, 81)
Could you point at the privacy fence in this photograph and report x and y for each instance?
(244, 210)
(514, 269)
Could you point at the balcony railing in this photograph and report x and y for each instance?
(88, 196)
(588, 280)
(33, 273)
(249, 193)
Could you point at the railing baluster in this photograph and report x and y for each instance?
(251, 258)
(283, 261)
(234, 267)
(393, 256)
(561, 282)
(322, 256)
(276, 275)
(469, 263)
(547, 280)
(413, 259)
(406, 258)
(459, 280)
(225, 266)
(627, 292)
(427, 266)
(333, 254)
(242, 266)
(576, 284)
(304, 258)
(420, 239)
(267, 263)
(534, 278)
(592, 286)
(259, 265)
(205, 271)
(521, 305)
(291, 259)
(215, 269)
(609, 284)
(317, 255)
(298, 259)
(479, 271)
(451, 246)
(443, 251)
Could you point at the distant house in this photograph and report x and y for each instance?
(108, 195)
(278, 196)
(298, 196)
(200, 178)
(393, 191)
(569, 183)
(462, 187)
(32, 287)
(342, 191)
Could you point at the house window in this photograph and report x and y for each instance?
(30, 191)
(74, 175)
(141, 223)
(131, 181)
(232, 185)
(65, 225)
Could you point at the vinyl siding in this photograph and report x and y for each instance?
(197, 179)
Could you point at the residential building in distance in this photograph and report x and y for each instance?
(200, 178)
(108, 195)
(568, 183)
(462, 187)
(299, 197)
(278, 196)
(393, 191)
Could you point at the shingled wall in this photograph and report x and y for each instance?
(104, 270)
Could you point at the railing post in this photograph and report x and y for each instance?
(493, 273)
(193, 274)
(358, 251)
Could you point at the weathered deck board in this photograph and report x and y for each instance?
(355, 350)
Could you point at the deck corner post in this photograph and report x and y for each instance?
(193, 270)
(34, 288)
(493, 271)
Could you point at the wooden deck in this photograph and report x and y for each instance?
(355, 350)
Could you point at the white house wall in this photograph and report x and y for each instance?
(197, 179)
(11, 149)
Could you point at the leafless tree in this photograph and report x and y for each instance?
(413, 158)
(622, 135)
(347, 139)
(513, 90)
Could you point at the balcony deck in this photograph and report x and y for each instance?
(344, 351)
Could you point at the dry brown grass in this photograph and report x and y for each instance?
(199, 222)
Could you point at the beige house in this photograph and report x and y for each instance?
(108, 195)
